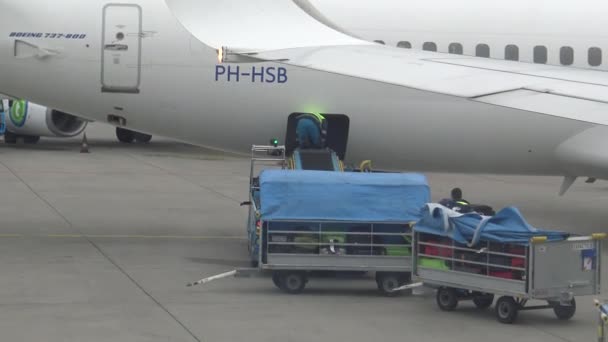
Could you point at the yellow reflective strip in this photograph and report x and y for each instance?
(365, 165)
(599, 236)
(319, 117)
(538, 239)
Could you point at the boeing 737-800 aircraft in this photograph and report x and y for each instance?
(152, 66)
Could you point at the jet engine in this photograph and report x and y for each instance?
(32, 121)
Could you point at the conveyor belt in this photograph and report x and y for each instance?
(321, 160)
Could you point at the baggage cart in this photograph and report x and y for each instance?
(293, 250)
(308, 222)
(551, 269)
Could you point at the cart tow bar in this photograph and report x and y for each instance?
(212, 278)
(407, 287)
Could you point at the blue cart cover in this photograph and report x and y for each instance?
(507, 226)
(342, 196)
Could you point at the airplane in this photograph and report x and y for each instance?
(29, 121)
(227, 74)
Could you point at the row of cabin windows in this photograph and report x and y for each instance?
(566, 53)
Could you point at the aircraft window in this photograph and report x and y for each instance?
(482, 50)
(405, 45)
(379, 41)
(455, 48)
(512, 52)
(566, 55)
(540, 54)
(595, 56)
(429, 46)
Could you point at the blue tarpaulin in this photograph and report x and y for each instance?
(507, 226)
(342, 196)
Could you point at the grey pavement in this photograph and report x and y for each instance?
(99, 247)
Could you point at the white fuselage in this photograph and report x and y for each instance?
(181, 92)
(550, 26)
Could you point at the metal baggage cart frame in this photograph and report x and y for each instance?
(261, 156)
(291, 250)
(552, 271)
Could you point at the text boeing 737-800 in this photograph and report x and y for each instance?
(152, 66)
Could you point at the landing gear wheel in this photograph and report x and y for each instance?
(124, 135)
(506, 310)
(10, 138)
(31, 139)
(293, 282)
(388, 281)
(564, 312)
(142, 138)
(483, 300)
(447, 298)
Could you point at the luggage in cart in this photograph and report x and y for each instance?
(473, 257)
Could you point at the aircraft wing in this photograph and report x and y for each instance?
(293, 32)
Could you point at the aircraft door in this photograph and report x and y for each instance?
(338, 126)
(121, 48)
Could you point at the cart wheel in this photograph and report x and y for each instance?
(276, 280)
(388, 281)
(564, 312)
(483, 300)
(293, 282)
(506, 310)
(447, 298)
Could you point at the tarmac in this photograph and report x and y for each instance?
(99, 247)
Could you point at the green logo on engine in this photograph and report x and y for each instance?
(18, 112)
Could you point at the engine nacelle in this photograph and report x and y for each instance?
(30, 119)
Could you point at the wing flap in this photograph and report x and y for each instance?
(550, 72)
(557, 105)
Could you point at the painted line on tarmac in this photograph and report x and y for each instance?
(11, 235)
(158, 237)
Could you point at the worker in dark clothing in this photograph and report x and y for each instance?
(310, 131)
(457, 197)
(456, 202)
